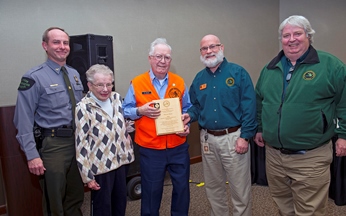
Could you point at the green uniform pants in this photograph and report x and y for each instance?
(62, 186)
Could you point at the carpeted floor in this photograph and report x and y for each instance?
(262, 204)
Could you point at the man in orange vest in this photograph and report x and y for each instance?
(159, 153)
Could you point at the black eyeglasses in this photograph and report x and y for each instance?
(289, 75)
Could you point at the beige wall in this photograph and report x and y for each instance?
(247, 28)
(327, 19)
(134, 25)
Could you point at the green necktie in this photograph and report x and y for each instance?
(70, 92)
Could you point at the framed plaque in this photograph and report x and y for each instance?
(169, 121)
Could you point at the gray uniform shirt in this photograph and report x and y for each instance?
(43, 98)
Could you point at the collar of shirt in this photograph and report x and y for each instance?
(105, 105)
(160, 88)
(54, 66)
(219, 69)
(286, 63)
(153, 77)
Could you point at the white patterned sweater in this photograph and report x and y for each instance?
(102, 143)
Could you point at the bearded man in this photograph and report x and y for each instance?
(224, 104)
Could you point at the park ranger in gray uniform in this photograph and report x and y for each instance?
(44, 103)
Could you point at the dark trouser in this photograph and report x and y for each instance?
(62, 186)
(111, 199)
(154, 164)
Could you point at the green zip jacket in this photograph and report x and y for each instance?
(303, 116)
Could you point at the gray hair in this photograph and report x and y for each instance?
(100, 69)
(298, 21)
(158, 41)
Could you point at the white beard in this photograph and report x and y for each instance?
(210, 63)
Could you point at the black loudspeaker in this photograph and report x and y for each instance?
(87, 50)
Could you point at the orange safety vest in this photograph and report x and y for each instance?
(145, 127)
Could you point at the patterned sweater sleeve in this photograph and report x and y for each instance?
(82, 143)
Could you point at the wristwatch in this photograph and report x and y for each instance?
(246, 139)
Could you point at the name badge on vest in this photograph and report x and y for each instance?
(146, 92)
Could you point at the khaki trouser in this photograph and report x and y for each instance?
(224, 164)
(299, 183)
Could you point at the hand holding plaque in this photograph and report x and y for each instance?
(169, 121)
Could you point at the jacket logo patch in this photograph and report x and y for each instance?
(230, 81)
(25, 84)
(146, 92)
(309, 75)
(203, 86)
(174, 92)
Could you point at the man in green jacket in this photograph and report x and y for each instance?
(301, 105)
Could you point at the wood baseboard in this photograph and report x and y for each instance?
(196, 159)
(2, 209)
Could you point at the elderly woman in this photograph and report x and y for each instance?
(103, 145)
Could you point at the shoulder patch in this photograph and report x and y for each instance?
(26, 83)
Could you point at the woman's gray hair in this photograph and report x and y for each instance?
(156, 42)
(298, 21)
(98, 68)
